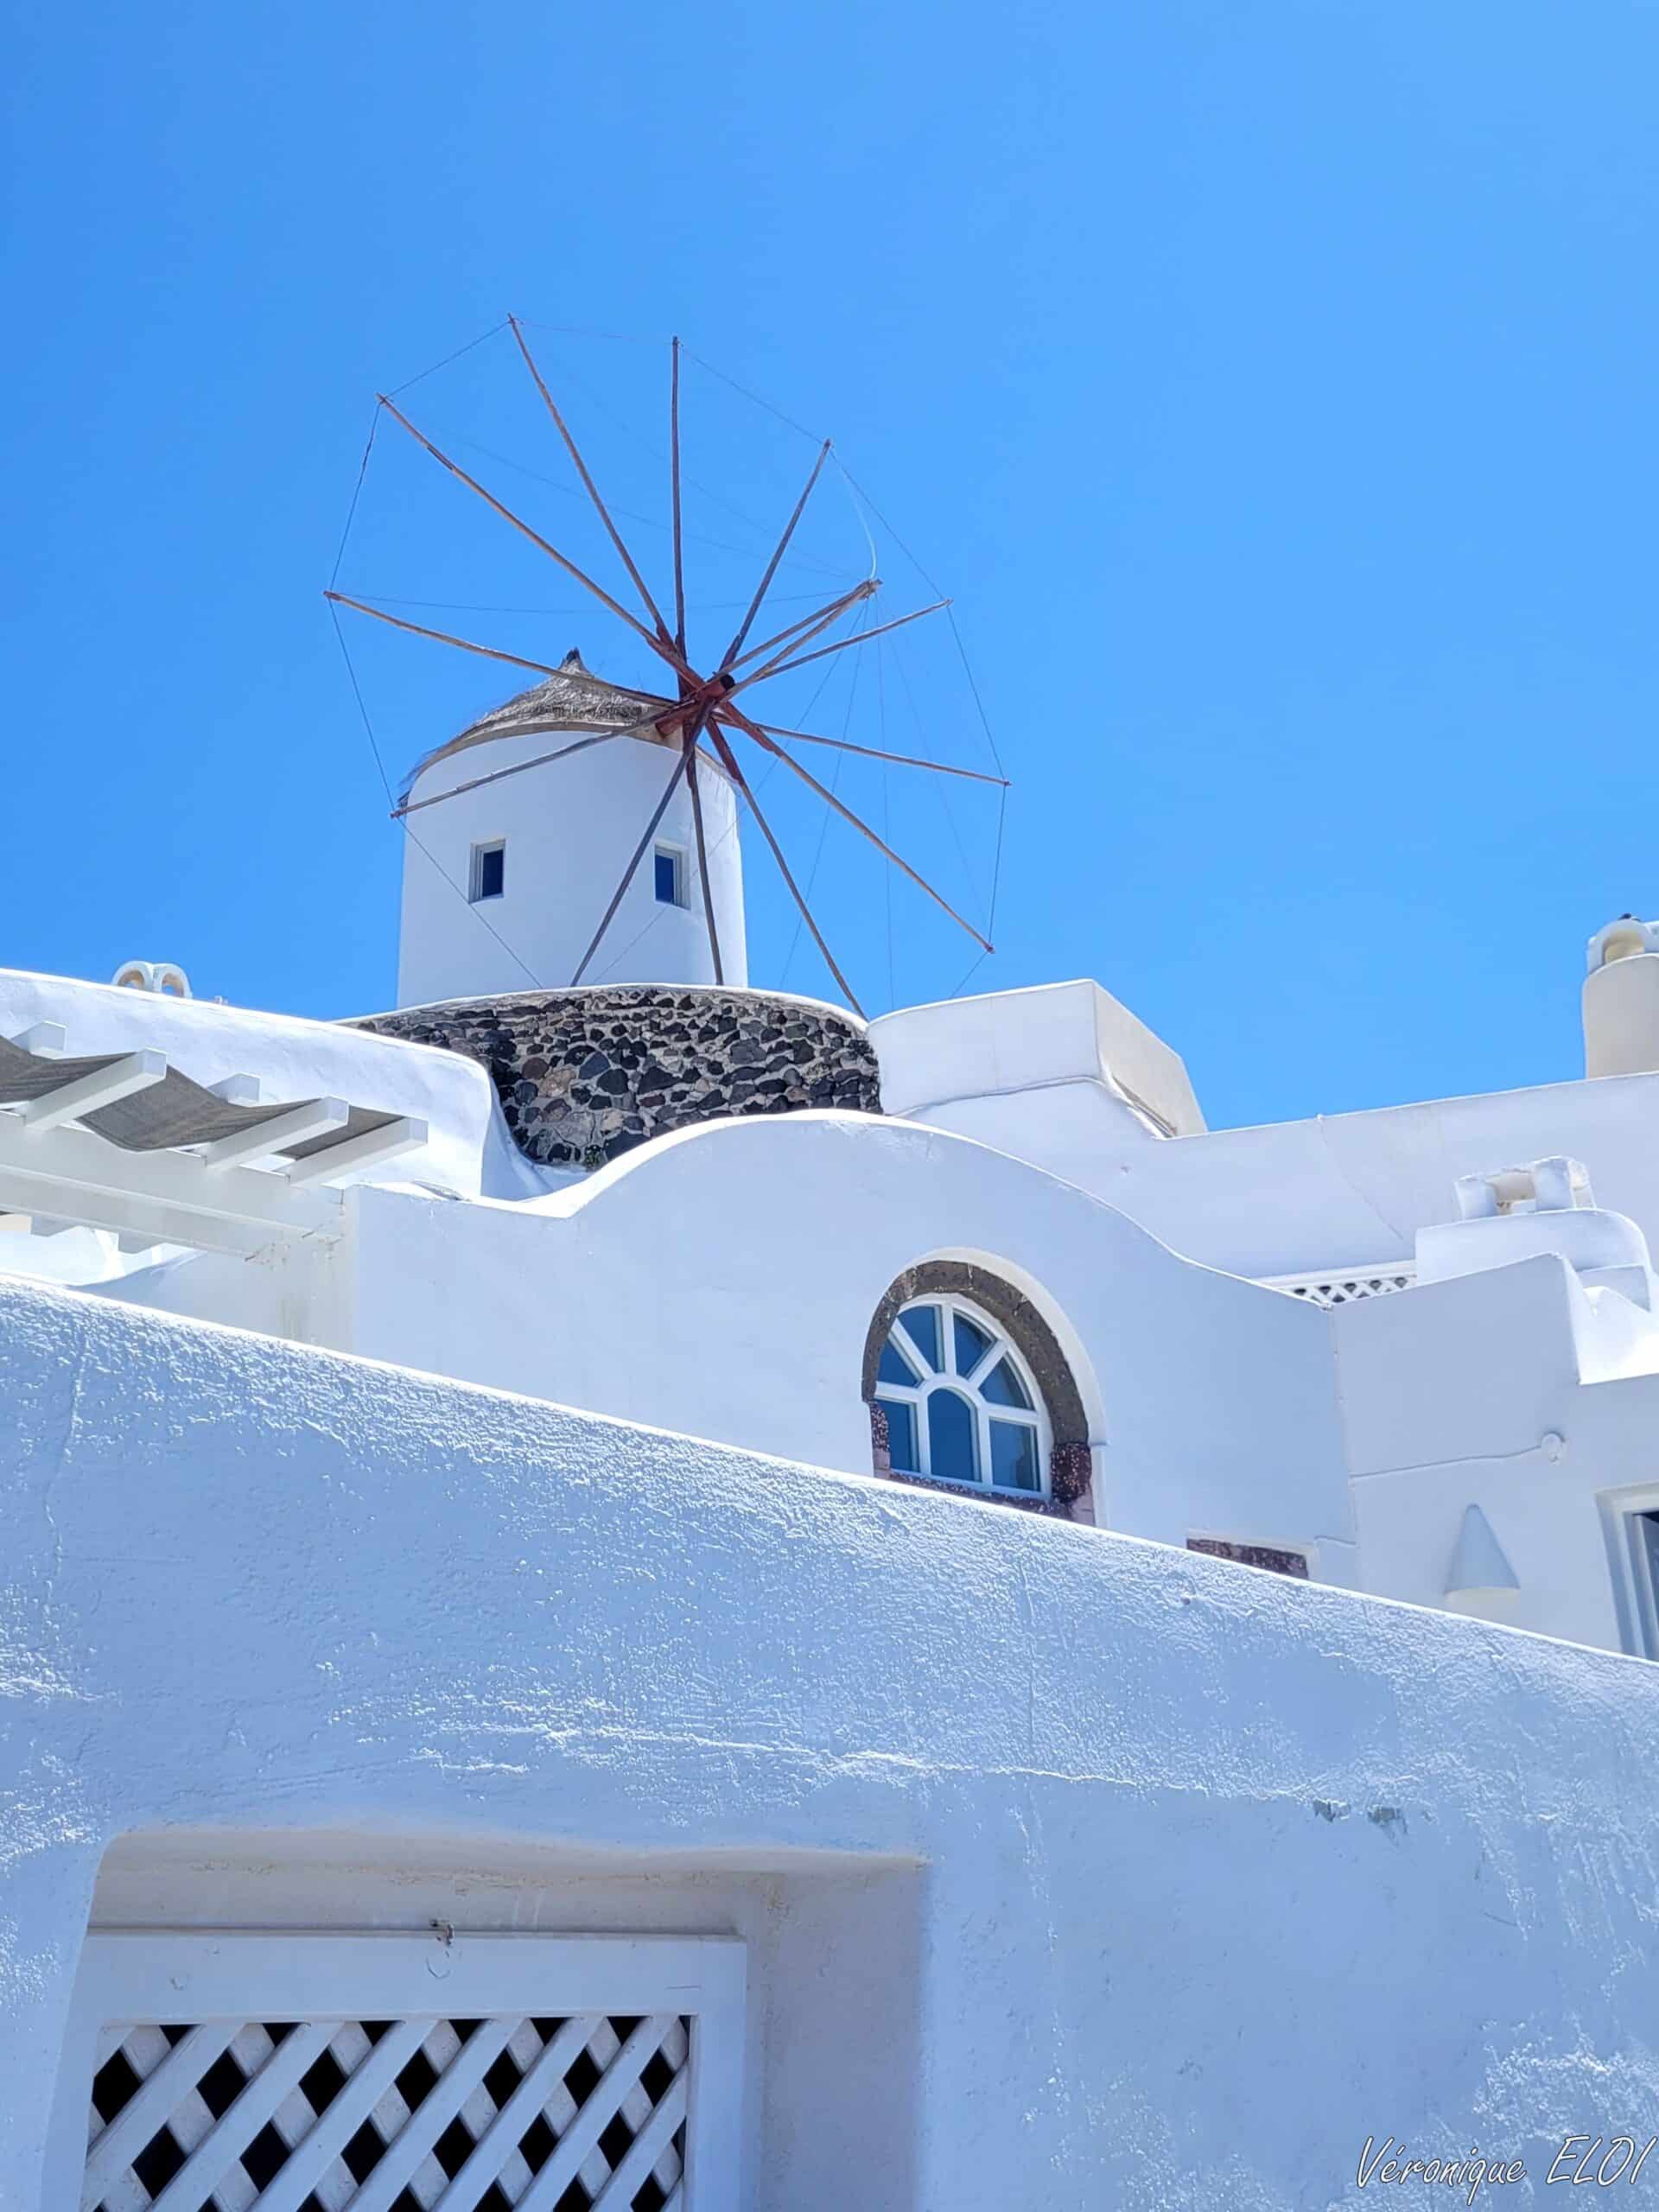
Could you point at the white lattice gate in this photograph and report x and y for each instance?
(401, 2073)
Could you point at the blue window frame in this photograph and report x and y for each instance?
(489, 871)
(669, 874)
(961, 1404)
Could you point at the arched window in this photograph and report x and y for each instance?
(967, 1387)
(960, 1402)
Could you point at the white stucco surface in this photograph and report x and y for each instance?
(1013, 1069)
(1048, 1034)
(1081, 1873)
(723, 1282)
(708, 1283)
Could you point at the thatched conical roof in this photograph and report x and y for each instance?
(573, 698)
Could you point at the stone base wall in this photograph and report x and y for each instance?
(583, 1076)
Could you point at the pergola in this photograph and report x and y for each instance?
(124, 1141)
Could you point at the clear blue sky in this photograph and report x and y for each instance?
(1273, 387)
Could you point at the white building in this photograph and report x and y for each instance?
(508, 1536)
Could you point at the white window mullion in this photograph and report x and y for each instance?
(985, 1412)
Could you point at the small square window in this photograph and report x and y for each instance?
(489, 871)
(1644, 1543)
(671, 876)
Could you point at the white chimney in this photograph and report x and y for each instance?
(1621, 999)
(1547, 1205)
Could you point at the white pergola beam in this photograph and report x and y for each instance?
(166, 1198)
(47, 1039)
(133, 1071)
(314, 1119)
(406, 1133)
(236, 1089)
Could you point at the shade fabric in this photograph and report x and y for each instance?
(173, 1112)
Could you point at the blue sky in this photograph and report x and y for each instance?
(1271, 387)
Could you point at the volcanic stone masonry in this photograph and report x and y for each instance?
(583, 1076)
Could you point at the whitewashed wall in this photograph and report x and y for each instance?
(1341, 1189)
(722, 1282)
(1182, 1880)
(1527, 1398)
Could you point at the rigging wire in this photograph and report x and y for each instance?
(473, 607)
(834, 784)
(951, 613)
(973, 685)
(420, 377)
(570, 330)
(887, 795)
(381, 765)
(996, 868)
(631, 514)
(990, 926)
(658, 454)
(942, 789)
(357, 693)
(744, 391)
(974, 970)
(357, 493)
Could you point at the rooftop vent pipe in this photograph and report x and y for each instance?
(1621, 999)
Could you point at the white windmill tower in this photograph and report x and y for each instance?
(538, 836)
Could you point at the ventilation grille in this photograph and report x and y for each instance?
(1343, 1290)
(551, 2115)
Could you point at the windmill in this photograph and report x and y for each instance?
(707, 712)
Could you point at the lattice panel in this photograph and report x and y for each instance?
(1326, 1291)
(546, 2115)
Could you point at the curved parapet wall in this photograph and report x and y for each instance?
(583, 1076)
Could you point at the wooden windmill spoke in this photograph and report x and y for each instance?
(703, 851)
(758, 734)
(865, 590)
(816, 626)
(873, 753)
(661, 646)
(440, 637)
(783, 667)
(765, 584)
(640, 584)
(639, 854)
(729, 759)
(542, 759)
(674, 481)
